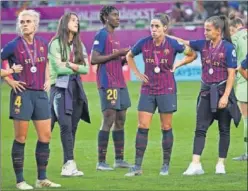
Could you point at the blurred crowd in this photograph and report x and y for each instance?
(201, 10)
(19, 4)
(179, 12)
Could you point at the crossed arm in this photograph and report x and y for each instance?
(13, 69)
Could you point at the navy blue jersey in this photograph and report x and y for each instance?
(109, 74)
(15, 52)
(162, 56)
(215, 61)
(244, 63)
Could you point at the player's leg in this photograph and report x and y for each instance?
(243, 108)
(241, 94)
(20, 111)
(17, 154)
(146, 108)
(224, 123)
(204, 119)
(109, 104)
(118, 129)
(69, 167)
(167, 141)
(53, 114)
(42, 121)
(167, 104)
(78, 107)
(75, 118)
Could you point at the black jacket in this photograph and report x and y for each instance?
(216, 91)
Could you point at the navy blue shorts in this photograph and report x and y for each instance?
(114, 98)
(166, 103)
(29, 105)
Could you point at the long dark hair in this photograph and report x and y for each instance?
(221, 22)
(63, 36)
(105, 11)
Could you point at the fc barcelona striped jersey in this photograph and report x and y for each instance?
(215, 61)
(162, 56)
(16, 53)
(109, 74)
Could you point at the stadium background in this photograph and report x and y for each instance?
(187, 22)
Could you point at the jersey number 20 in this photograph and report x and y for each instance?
(112, 94)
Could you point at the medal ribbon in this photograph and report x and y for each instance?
(33, 59)
(155, 54)
(212, 50)
(156, 59)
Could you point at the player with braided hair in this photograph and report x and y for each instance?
(107, 55)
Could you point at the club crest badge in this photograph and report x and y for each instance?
(221, 55)
(208, 61)
(113, 102)
(166, 51)
(17, 110)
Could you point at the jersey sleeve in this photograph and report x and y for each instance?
(197, 45)
(179, 47)
(137, 48)
(7, 50)
(244, 63)
(231, 56)
(99, 41)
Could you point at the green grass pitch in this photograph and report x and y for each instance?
(86, 150)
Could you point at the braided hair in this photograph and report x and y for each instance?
(105, 11)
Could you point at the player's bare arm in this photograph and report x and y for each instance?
(14, 69)
(186, 42)
(97, 58)
(132, 65)
(190, 55)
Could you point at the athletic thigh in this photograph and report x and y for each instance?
(166, 120)
(241, 92)
(144, 119)
(243, 108)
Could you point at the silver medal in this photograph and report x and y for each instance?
(157, 69)
(33, 69)
(211, 71)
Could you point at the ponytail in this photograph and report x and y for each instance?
(221, 22)
(226, 32)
